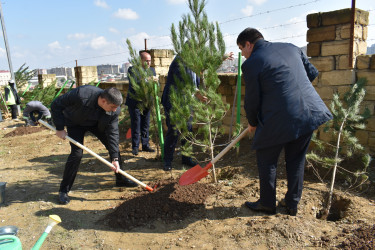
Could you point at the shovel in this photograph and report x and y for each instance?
(129, 134)
(196, 173)
(99, 157)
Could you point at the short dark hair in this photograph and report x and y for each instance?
(112, 95)
(249, 35)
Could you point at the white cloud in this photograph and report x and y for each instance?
(113, 30)
(101, 4)
(248, 10)
(138, 40)
(2, 52)
(54, 45)
(127, 14)
(176, 1)
(257, 2)
(98, 42)
(78, 36)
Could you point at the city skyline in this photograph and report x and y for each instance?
(47, 34)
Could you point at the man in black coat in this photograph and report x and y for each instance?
(283, 109)
(140, 120)
(88, 108)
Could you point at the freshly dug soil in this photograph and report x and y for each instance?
(23, 131)
(169, 202)
(361, 238)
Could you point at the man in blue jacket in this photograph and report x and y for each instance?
(283, 109)
(88, 109)
(140, 121)
(172, 135)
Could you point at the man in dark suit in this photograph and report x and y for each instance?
(283, 109)
(172, 135)
(88, 108)
(140, 120)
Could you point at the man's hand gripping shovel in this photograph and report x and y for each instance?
(99, 158)
(196, 173)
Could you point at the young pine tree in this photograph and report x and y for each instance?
(143, 83)
(200, 47)
(346, 120)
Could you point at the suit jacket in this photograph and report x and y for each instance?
(131, 102)
(173, 74)
(279, 97)
(79, 107)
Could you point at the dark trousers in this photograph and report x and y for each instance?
(295, 152)
(74, 159)
(171, 138)
(14, 111)
(140, 123)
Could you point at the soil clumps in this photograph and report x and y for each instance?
(23, 131)
(169, 202)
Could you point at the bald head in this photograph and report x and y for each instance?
(146, 59)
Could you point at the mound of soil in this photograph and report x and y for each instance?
(361, 238)
(169, 202)
(23, 131)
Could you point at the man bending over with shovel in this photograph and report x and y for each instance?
(34, 111)
(88, 108)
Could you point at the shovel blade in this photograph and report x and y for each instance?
(129, 134)
(194, 174)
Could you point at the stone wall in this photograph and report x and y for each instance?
(46, 79)
(85, 75)
(329, 40)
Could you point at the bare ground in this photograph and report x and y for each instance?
(101, 216)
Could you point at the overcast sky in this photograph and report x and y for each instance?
(45, 34)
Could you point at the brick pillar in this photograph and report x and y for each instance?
(161, 59)
(46, 79)
(85, 75)
(328, 46)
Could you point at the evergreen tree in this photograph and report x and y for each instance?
(43, 94)
(23, 75)
(143, 83)
(200, 47)
(346, 120)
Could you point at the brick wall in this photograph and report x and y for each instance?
(85, 75)
(46, 79)
(328, 46)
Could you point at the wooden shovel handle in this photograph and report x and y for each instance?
(225, 150)
(98, 157)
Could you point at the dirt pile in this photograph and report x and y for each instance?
(23, 131)
(361, 238)
(170, 202)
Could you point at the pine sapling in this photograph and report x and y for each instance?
(347, 119)
(200, 47)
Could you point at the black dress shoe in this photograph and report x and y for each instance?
(63, 198)
(167, 166)
(188, 161)
(256, 206)
(290, 211)
(148, 149)
(125, 182)
(135, 151)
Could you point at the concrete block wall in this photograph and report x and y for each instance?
(85, 75)
(161, 59)
(46, 79)
(328, 46)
